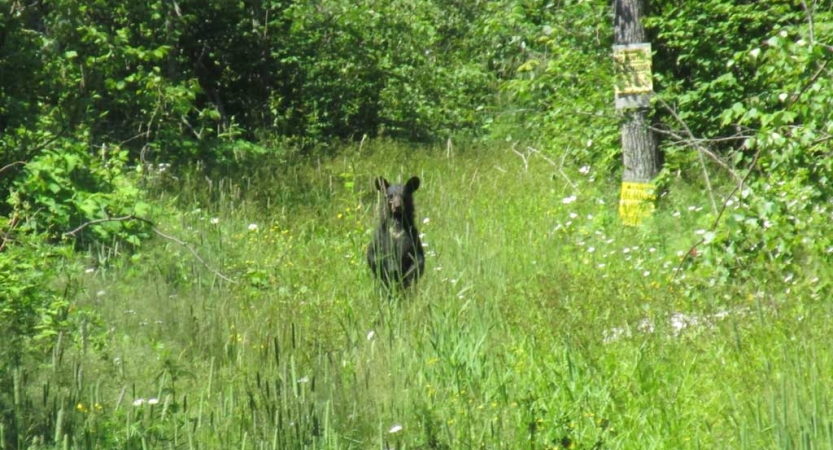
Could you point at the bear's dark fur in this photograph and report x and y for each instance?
(395, 254)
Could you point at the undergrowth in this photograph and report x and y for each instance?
(540, 322)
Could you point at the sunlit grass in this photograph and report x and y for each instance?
(540, 321)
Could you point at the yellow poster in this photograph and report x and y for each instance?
(636, 202)
(633, 69)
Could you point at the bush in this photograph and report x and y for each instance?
(67, 186)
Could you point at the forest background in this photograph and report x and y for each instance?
(187, 191)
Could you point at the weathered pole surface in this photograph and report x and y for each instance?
(634, 87)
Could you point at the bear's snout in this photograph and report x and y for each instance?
(395, 203)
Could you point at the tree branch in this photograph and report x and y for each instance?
(807, 85)
(155, 230)
(108, 219)
(554, 164)
(193, 252)
(692, 141)
(810, 23)
(37, 149)
(695, 144)
(6, 233)
(722, 210)
(10, 165)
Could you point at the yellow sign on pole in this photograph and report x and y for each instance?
(636, 202)
(634, 82)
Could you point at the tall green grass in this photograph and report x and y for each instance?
(540, 321)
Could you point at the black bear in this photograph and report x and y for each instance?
(395, 254)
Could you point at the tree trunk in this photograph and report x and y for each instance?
(639, 148)
(639, 145)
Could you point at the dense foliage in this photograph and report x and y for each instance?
(99, 98)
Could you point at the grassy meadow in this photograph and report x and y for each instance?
(540, 323)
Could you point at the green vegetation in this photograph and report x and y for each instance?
(540, 323)
(188, 194)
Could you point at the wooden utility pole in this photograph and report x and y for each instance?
(634, 87)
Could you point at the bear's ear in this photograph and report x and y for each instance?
(382, 184)
(412, 184)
